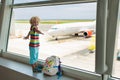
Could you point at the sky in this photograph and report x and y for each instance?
(24, 1)
(70, 11)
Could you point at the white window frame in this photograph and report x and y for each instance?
(102, 60)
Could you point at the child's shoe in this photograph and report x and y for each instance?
(40, 66)
(37, 69)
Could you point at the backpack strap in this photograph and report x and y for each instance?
(59, 70)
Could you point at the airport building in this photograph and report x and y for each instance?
(85, 53)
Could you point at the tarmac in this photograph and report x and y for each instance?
(72, 50)
(62, 47)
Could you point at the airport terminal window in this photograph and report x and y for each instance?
(116, 63)
(68, 19)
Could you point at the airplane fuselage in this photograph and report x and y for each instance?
(70, 28)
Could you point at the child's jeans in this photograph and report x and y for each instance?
(33, 54)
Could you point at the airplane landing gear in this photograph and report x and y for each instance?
(55, 38)
(76, 34)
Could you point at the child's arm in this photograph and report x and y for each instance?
(38, 31)
(27, 37)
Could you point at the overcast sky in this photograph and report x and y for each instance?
(71, 11)
(25, 1)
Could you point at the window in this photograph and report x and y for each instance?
(112, 43)
(116, 63)
(68, 48)
(117, 59)
(84, 63)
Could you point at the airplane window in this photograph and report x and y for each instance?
(71, 42)
(54, 28)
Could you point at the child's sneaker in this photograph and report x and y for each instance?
(37, 69)
(40, 66)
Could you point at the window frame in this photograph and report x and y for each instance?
(111, 48)
(50, 2)
(7, 5)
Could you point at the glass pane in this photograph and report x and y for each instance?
(116, 65)
(26, 1)
(69, 32)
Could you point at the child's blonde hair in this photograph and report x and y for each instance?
(34, 20)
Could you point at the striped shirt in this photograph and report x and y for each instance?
(34, 37)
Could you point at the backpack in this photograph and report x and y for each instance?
(52, 66)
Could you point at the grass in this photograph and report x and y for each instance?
(53, 21)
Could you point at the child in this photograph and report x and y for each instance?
(34, 42)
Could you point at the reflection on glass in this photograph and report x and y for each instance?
(26, 1)
(67, 33)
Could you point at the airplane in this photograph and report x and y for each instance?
(74, 28)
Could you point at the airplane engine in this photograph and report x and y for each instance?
(88, 33)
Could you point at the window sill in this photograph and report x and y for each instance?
(13, 70)
(67, 71)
